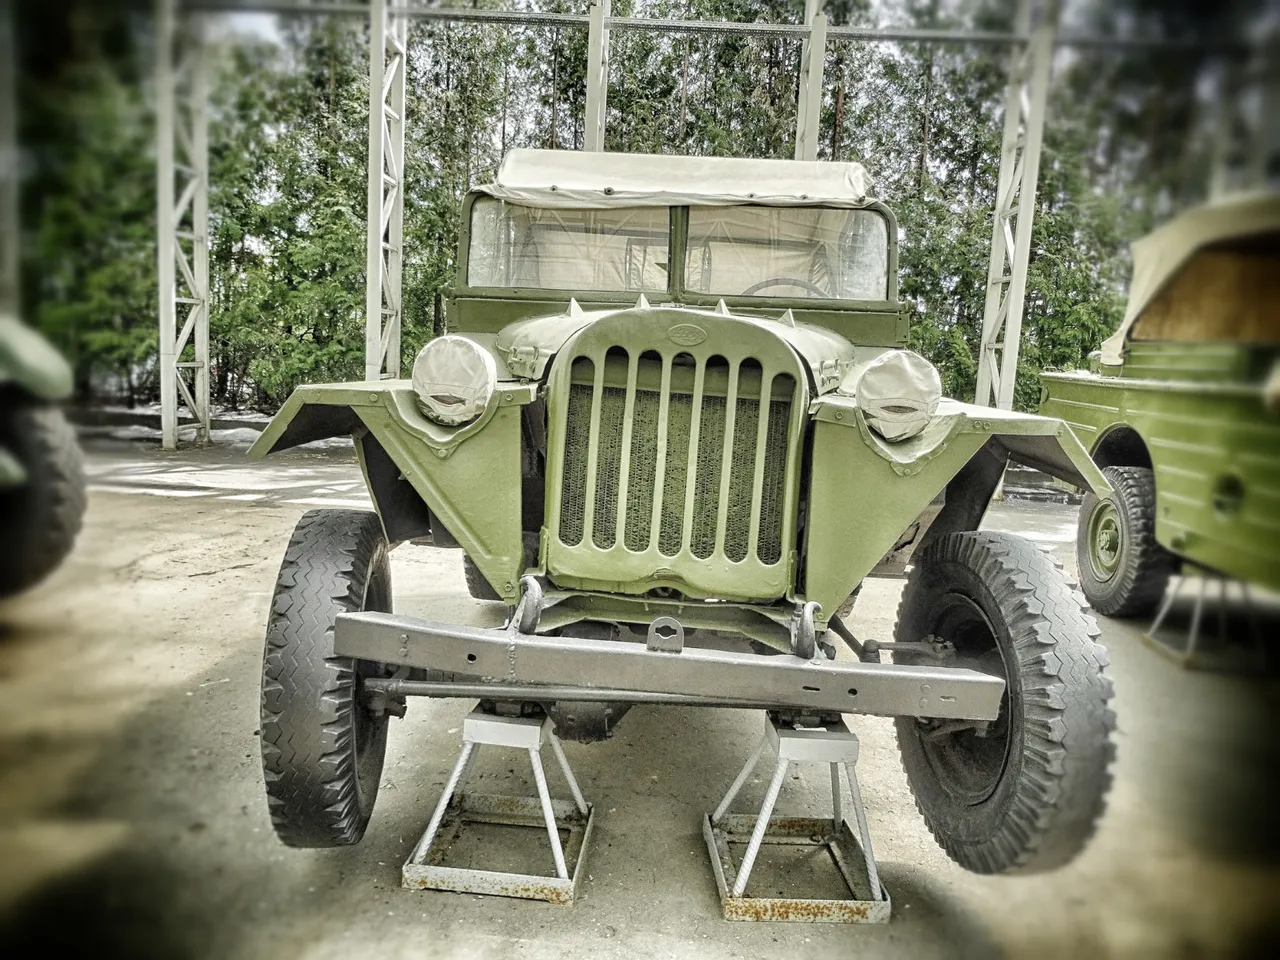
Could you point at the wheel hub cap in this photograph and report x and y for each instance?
(1105, 540)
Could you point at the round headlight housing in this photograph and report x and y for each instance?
(454, 379)
(898, 392)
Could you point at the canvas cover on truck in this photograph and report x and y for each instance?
(572, 178)
(1162, 254)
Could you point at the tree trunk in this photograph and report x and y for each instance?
(684, 94)
(506, 88)
(923, 159)
(555, 87)
(837, 122)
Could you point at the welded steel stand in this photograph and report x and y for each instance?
(1226, 651)
(423, 871)
(836, 746)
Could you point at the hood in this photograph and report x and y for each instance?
(528, 346)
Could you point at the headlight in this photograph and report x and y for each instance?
(898, 393)
(454, 379)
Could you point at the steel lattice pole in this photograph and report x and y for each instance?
(813, 60)
(388, 41)
(597, 76)
(1024, 114)
(166, 108)
(182, 152)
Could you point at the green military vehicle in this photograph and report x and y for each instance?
(673, 426)
(42, 496)
(1182, 411)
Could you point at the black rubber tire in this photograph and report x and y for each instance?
(40, 518)
(477, 585)
(1025, 798)
(1141, 574)
(322, 750)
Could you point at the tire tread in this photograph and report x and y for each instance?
(308, 694)
(1067, 750)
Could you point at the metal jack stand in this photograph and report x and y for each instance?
(525, 733)
(1219, 653)
(835, 745)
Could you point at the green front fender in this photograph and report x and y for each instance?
(872, 503)
(468, 477)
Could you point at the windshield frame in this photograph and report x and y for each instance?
(676, 293)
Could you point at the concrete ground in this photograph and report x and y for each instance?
(134, 822)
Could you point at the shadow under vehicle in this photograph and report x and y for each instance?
(651, 431)
(1181, 411)
(42, 495)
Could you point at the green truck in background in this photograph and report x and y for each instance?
(1181, 411)
(42, 496)
(673, 427)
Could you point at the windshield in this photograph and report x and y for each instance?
(788, 252)
(620, 249)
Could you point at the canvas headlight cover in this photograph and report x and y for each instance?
(898, 392)
(454, 379)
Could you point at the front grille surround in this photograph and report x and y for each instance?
(661, 470)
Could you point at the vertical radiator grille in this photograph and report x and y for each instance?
(738, 465)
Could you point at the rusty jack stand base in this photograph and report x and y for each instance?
(837, 746)
(524, 733)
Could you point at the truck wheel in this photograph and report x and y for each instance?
(1123, 570)
(1023, 795)
(477, 585)
(39, 519)
(322, 748)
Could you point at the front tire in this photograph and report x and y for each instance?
(1025, 796)
(322, 748)
(1123, 570)
(40, 518)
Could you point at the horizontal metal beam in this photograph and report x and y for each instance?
(793, 31)
(508, 657)
(547, 693)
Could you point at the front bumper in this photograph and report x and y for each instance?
(550, 667)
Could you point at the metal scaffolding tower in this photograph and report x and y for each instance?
(813, 56)
(597, 76)
(1024, 110)
(182, 218)
(1032, 43)
(388, 52)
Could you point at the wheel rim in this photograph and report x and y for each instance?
(366, 728)
(969, 766)
(1106, 540)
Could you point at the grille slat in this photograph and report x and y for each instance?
(696, 406)
(727, 443)
(760, 450)
(660, 470)
(593, 450)
(627, 453)
(689, 472)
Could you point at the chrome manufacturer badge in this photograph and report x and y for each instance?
(686, 334)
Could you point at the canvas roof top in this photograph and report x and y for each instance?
(572, 178)
(1159, 255)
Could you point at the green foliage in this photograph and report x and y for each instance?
(289, 187)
